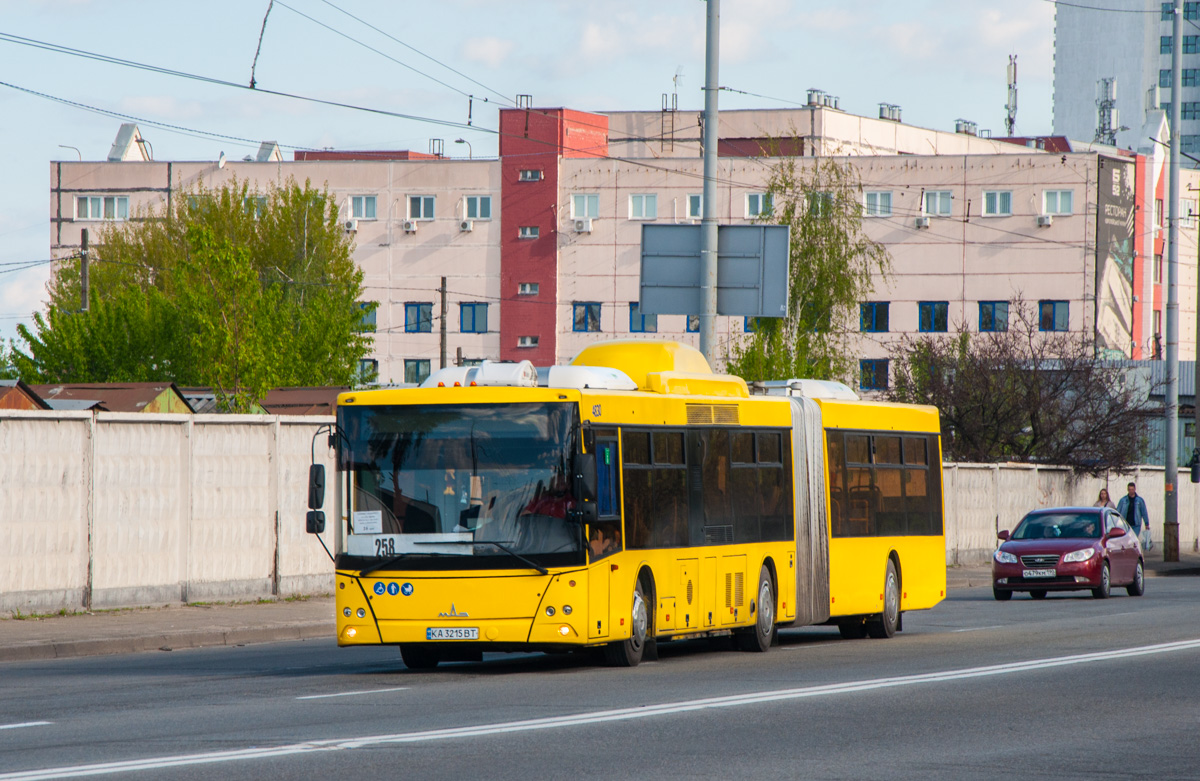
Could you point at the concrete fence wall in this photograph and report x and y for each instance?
(117, 510)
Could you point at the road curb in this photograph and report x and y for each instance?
(164, 642)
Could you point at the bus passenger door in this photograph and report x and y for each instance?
(604, 538)
(599, 576)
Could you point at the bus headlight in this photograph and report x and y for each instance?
(564, 630)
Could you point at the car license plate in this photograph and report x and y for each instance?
(452, 633)
(1037, 573)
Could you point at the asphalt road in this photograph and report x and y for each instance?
(1064, 688)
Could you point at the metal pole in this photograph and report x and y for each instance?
(84, 280)
(443, 291)
(1171, 459)
(708, 223)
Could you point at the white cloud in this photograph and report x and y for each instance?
(489, 50)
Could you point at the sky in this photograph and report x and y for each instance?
(939, 60)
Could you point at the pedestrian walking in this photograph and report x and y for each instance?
(1133, 509)
(1104, 501)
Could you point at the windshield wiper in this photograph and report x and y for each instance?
(381, 565)
(515, 555)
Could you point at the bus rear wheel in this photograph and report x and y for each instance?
(420, 657)
(628, 653)
(763, 634)
(884, 625)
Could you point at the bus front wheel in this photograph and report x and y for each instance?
(763, 634)
(628, 653)
(420, 657)
(884, 625)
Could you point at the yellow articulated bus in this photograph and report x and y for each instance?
(631, 498)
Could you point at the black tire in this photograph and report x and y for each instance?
(1037, 593)
(1105, 588)
(628, 653)
(883, 626)
(420, 657)
(1138, 586)
(760, 638)
(853, 628)
(1001, 595)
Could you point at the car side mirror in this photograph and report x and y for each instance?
(314, 522)
(316, 486)
(1117, 531)
(1002, 534)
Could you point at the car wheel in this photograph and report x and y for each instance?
(628, 653)
(1001, 595)
(420, 657)
(1102, 591)
(1138, 586)
(884, 626)
(1037, 593)
(763, 634)
(853, 628)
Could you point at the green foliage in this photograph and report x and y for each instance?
(227, 288)
(832, 264)
(8, 370)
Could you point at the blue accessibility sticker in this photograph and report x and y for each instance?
(380, 588)
(406, 589)
(393, 589)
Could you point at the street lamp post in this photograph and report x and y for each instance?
(470, 153)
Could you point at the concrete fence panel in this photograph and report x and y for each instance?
(303, 566)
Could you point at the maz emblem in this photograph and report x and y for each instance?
(453, 613)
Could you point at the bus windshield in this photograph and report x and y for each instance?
(480, 480)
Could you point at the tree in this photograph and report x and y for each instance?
(832, 266)
(227, 288)
(1027, 395)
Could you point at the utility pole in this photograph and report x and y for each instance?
(84, 281)
(1171, 459)
(708, 223)
(442, 289)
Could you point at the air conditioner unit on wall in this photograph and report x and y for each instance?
(583, 225)
(922, 222)
(466, 226)
(1045, 221)
(410, 226)
(351, 226)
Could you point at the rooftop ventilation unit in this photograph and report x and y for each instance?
(816, 97)
(889, 111)
(966, 127)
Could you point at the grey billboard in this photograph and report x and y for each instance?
(1114, 259)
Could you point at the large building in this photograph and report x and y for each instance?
(539, 249)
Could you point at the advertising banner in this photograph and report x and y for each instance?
(1114, 259)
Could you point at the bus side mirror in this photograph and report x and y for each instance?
(314, 522)
(1195, 465)
(316, 486)
(585, 477)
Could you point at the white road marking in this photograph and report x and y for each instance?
(25, 724)
(977, 628)
(351, 694)
(594, 717)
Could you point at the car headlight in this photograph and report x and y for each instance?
(1004, 557)
(1079, 555)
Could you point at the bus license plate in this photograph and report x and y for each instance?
(1037, 573)
(452, 633)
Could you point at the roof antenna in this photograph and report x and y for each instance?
(1010, 121)
(254, 64)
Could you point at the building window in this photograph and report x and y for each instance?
(1164, 80)
(758, 204)
(933, 316)
(878, 204)
(585, 205)
(937, 203)
(1164, 44)
(418, 318)
(997, 203)
(873, 374)
(587, 316)
(527, 232)
(1187, 206)
(472, 318)
(1190, 11)
(1158, 212)
(420, 207)
(1190, 109)
(368, 309)
(527, 341)
(819, 203)
(695, 209)
(530, 175)
(1058, 201)
(643, 207)
(255, 205)
(873, 317)
(416, 370)
(528, 289)
(993, 316)
(1158, 267)
(1053, 315)
(102, 207)
(362, 207)
(1191, 44)
(1189, 143)
(693, 324)
(479, 207)
(640, 323)
(368, 371)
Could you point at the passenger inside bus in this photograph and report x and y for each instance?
(604, 539)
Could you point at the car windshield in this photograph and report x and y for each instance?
(461, 480)
(1049, 526)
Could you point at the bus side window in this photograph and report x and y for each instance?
(606, 478)
(836, 463)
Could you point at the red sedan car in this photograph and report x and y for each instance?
(1068, 549)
